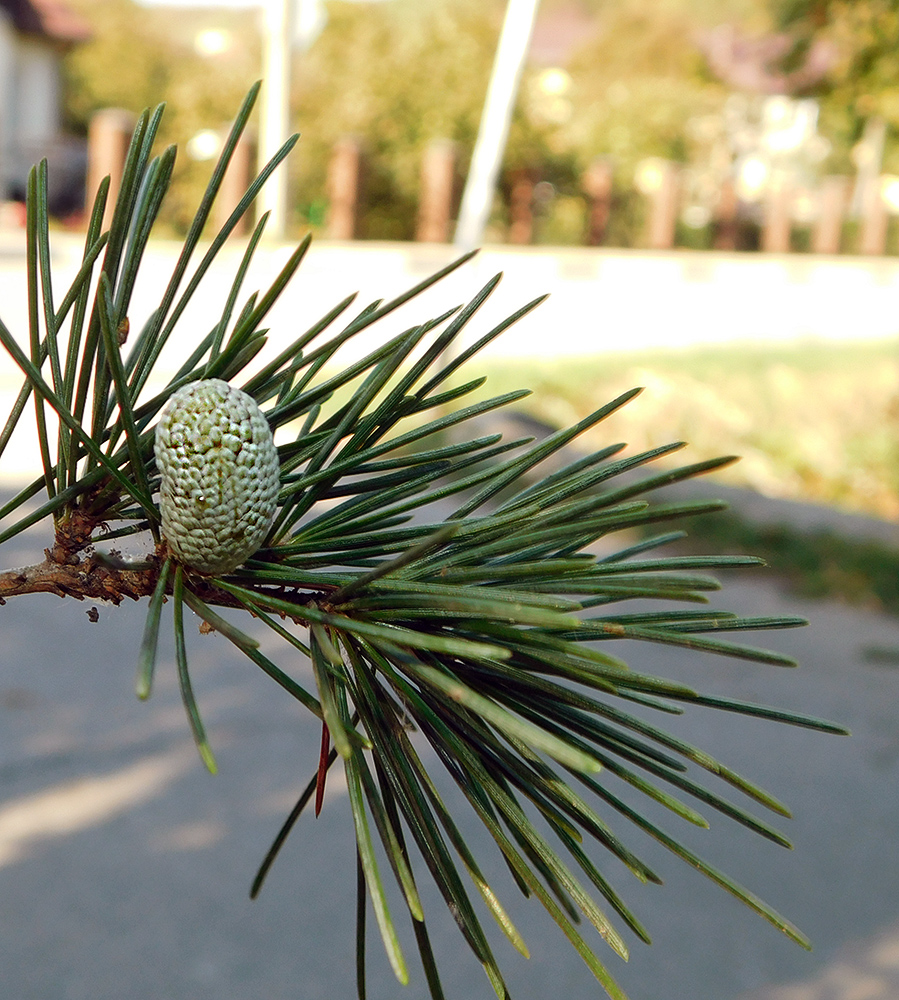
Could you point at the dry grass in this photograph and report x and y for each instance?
(816, 422)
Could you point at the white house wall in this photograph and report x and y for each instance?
(34, 114)
(8, 61)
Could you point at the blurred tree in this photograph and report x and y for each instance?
(641, 77)
(396, 76)
(634, 86)
(105, 72)
(863, 81)
(203, 60)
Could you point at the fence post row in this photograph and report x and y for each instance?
(110, 133)
(439, 192)
(108, 137)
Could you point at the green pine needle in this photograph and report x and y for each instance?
(146, 658)
(187, 694)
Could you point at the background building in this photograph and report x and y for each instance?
(35, 35)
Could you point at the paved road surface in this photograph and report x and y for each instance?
(124, 866)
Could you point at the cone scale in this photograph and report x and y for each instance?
(219, 476)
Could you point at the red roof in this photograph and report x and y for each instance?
(50, 18)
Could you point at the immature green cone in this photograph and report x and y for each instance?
(219, 469)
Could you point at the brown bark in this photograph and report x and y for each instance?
(72, 568)
(96, 577)
(82, 580)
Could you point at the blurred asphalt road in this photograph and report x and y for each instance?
(124, 866)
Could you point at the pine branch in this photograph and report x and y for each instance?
(443, 586)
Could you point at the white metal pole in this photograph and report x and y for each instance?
(277, 39)
(487, 158)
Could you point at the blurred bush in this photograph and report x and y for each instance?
(203, 61)
(398, 75)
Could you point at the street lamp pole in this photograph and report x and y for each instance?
(288, 26)
(493, 133)
(277, 39)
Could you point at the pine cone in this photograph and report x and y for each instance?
(219, 468)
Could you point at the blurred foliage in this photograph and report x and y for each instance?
(139, 52)
(637, 82)
(398, 75)
(418, 71)
(864, 79)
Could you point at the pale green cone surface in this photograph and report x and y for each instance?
(219, 469)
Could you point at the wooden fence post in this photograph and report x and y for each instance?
(778, 222)
(725, 221)
(521, 206)
(597, 182)
(108, 136)
(875, 219)
(833, 199)
(344, 184)
(664, 201)
(438, 192)
(237, 179)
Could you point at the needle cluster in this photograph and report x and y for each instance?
(446, 589)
